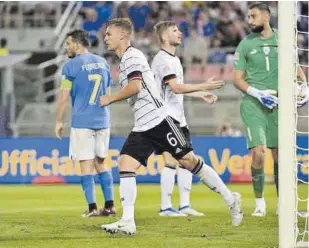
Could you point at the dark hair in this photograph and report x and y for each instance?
(261, 6)
(3, 42)
(79, 36)
(162, 26)
(124, 23)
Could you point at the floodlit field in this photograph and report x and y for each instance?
(49, 216)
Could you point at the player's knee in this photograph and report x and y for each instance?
(100, 166)
(258, 157)
(87, 166)
(189, 161)
(169, 160)
(100, 160)
(127, 163)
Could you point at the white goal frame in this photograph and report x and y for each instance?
(287, 124)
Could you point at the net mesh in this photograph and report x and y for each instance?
(301, 115)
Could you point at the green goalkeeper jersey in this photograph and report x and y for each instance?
(258, 58)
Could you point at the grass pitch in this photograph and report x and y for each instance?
(50, 217)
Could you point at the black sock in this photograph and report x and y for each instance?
(109, 204)
(92, 206)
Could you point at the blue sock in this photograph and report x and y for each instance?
(88, 188)
(106, 182)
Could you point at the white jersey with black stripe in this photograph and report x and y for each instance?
(148, 106)
(166, 66)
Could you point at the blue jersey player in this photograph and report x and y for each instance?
(86, 77)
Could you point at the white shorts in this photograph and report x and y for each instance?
(86, 144)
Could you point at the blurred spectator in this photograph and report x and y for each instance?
(185, 22)
(138, 13)
(226, 129)
(122, 10)
(95, 18)
(3, 47)
(195, 49)
(217, 56)
(204, 26)
(89, 4)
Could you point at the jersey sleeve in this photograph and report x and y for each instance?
(166, 72)
(134, 67)
(240, 63)
(66, 79)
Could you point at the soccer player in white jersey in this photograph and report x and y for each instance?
(169, 77)
(153, 128)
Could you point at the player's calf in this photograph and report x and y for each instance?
(212, 180)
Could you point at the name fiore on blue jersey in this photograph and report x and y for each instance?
(88, 77)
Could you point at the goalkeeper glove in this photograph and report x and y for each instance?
(266, 97)
(302, 95)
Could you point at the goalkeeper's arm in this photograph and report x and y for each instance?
(301, 75)
(266, 97)
(240, 82)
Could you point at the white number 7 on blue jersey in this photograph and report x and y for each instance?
(97, 80)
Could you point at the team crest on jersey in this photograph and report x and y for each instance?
(266, 50)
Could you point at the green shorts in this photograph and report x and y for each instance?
(260, 122)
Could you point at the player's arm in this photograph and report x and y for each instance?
(109, 91)
(266, 97)
(205, 95)
(62, 103)
(65, 89)
(239, 81)
(177, 88)
(134, 87)
(301, 75)
(303, 88)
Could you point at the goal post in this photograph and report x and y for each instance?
(287, 124)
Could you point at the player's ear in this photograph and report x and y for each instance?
(266, 16)
(164, 36)
(122, 34)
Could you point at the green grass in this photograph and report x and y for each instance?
(49, 216)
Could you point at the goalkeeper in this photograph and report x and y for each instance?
(256, 74)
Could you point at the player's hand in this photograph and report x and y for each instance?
(213, 84)
(209, 97)
(59, 130)
(266, 97)
(105, 101)
(302, 95)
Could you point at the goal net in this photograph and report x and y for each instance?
(293, 126)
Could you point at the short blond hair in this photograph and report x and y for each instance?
(124, 23)
(161, 27)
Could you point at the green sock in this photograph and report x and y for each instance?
(276, 177)
(258, 178)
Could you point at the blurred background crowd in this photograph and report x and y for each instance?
(211, 31)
